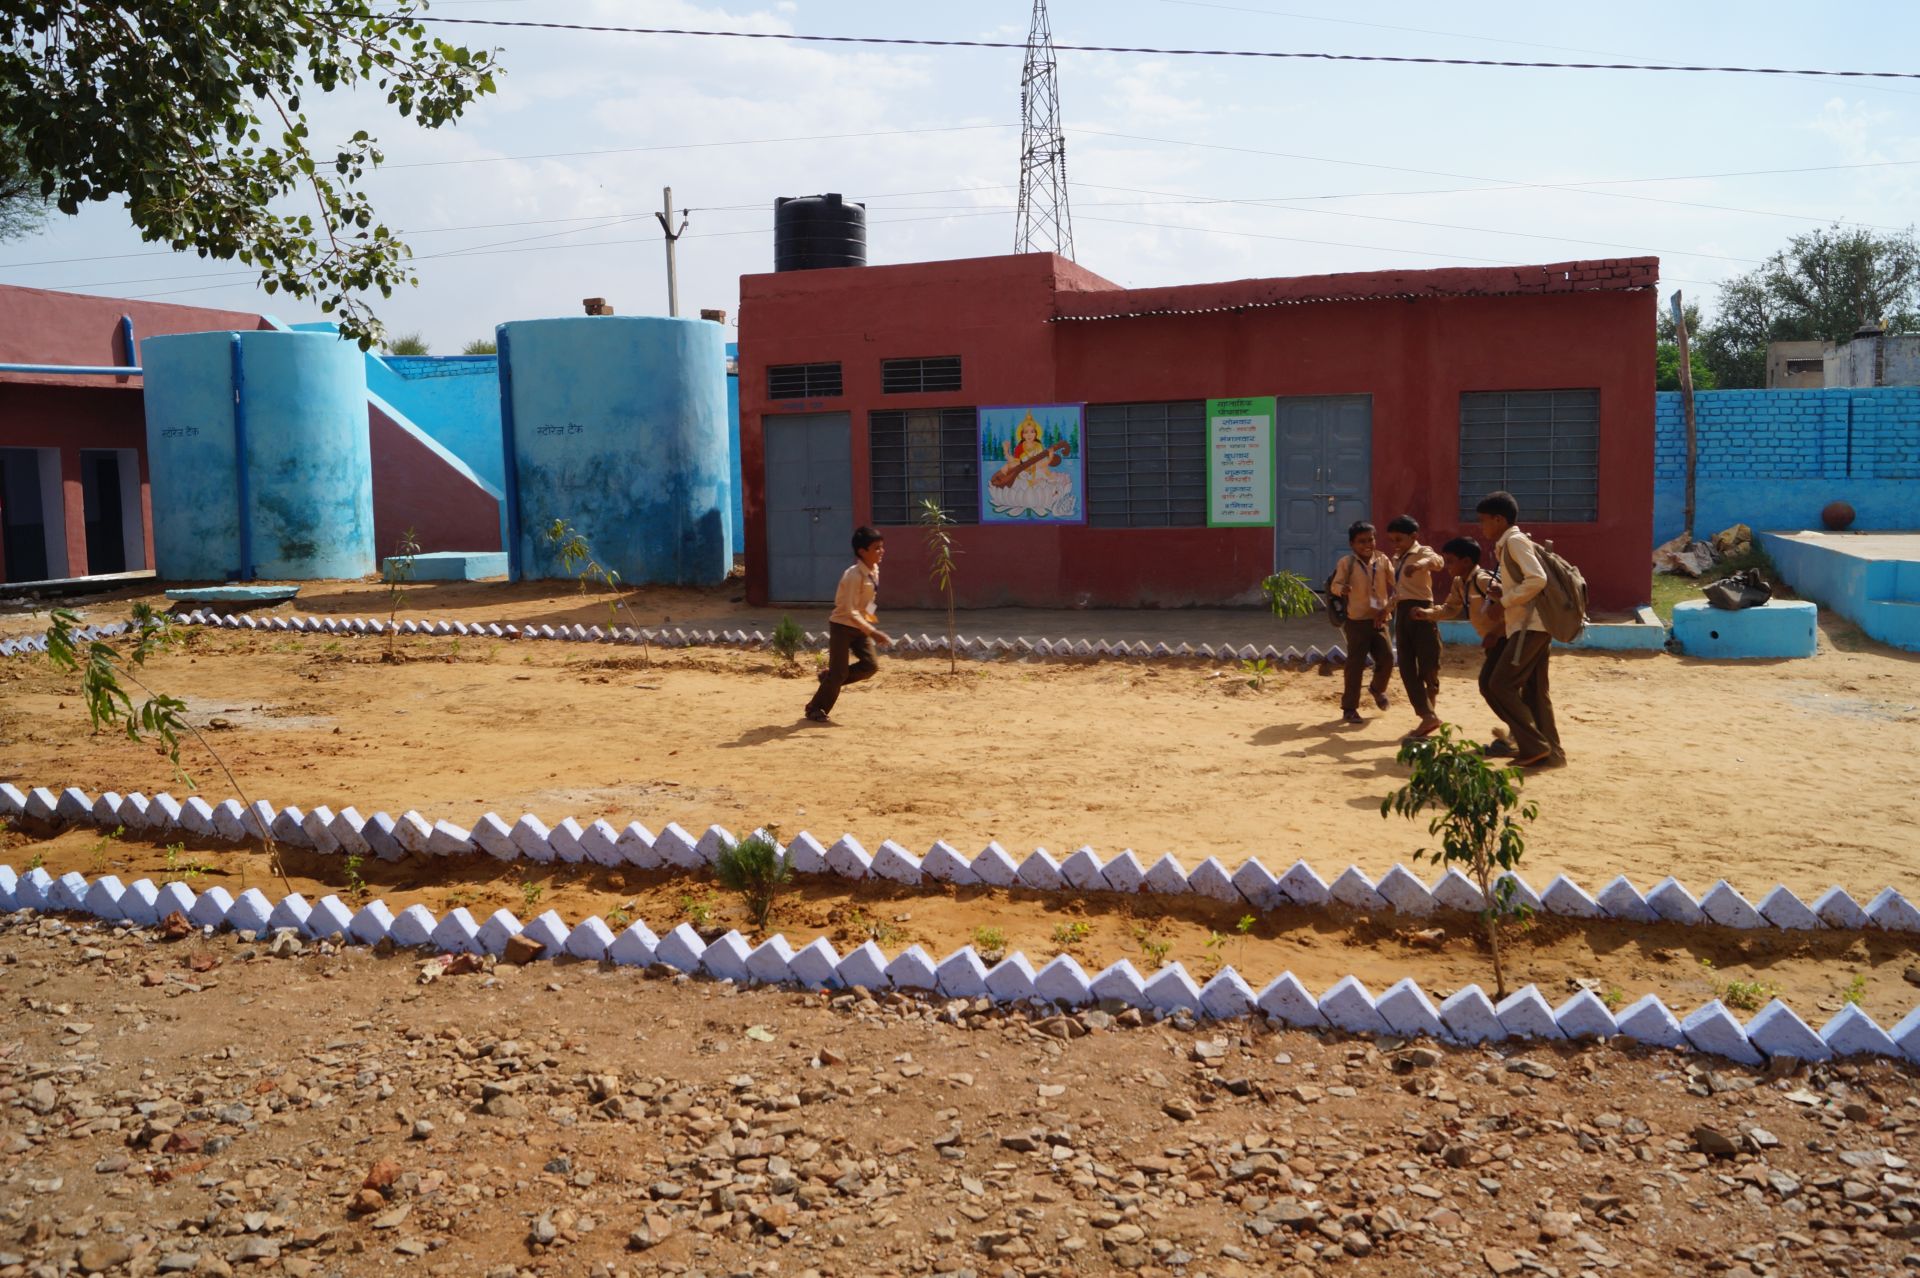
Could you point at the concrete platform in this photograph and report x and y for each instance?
(1603, 636)
(1871, 579)
(94, 584)
(1778, 628)
(454, 565)
(235, 596)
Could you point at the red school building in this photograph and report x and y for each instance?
(1173, 446)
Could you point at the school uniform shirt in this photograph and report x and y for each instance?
(1413, 574)
(1469, 595)
(853, 600)
(1522, 576)
(1375, 586)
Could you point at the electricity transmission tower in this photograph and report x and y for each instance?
(1043, 222)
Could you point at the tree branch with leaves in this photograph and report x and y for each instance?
(191, 112)
(105, 675)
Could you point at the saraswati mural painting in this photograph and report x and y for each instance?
(1030, 467)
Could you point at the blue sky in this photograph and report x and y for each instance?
(1183, 169)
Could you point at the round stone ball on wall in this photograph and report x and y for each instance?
(1838, 516)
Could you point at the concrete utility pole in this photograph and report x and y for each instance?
(673, 237)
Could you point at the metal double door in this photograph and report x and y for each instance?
(1324, 481)
(809, 460)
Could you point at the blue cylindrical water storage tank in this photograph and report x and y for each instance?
(618, 426)
(258, 456)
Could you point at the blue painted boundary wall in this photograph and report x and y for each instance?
(1774, 459)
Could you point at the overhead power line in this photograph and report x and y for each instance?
(1296, 55)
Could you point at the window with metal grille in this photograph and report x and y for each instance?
(916, 376)
(1541, 446)
(803, 381)
(923, 454)
(1146, 465)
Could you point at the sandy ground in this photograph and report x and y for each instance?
(1797, 772)
(199, 1107)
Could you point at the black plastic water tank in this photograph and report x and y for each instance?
(812, 232)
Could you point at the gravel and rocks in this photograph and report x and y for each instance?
(203, 1107)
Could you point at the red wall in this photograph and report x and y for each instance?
(1414, 357)
(413, 487)
(71, 418)
(41, 326)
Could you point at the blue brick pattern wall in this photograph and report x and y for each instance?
(1773, 459)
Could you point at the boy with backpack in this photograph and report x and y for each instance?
(1363, 582)
(1474, 593)
(1417, 640)
(1518, 690)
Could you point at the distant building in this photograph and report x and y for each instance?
(1871, 357)
(1796, 365)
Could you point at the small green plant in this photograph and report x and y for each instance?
(98, 852)
(1068, 935)
(105, 671)
(1289, 595)
(577, 557)
(938, 525)
(879, 931)
(1257, 672)
(618, 917)
(1748, 996)
(1856, 992)
(989, 941)
(37, 860)
(1214, 956)
(331, 649)
(461, 897)
(787, 638)
(530, 893)
(178, 867)
(397, 572)
(1613, 998)
(356, 886)
(453, 653)
(757, 869)
(699, 910)
(1155, 948)
(1479, 820)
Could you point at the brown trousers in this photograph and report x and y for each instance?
(1518, 692)
(843, 642)
(1364, 639)
(1419, 644)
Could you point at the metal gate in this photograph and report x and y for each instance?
(1325, 481)
(809, 504)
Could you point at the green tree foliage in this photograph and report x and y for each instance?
(192, 112)
(22, 207)
(408, 344)
(1667, 368)
(480, 346)
(1823, 286)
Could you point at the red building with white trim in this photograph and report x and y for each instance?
(1393, 392)
(74, 498)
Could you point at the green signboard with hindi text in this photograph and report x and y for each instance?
(1240, 463)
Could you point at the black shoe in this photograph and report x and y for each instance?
(817, 716)
(1499, 750)
(1380, 699)
(1352, 716)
